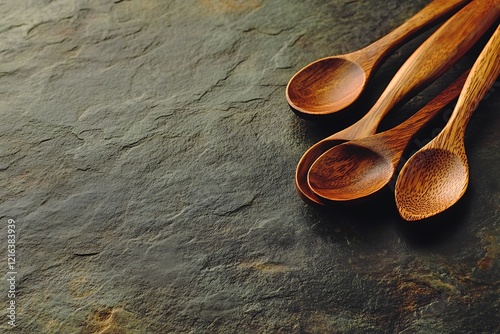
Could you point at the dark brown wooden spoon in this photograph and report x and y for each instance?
(436, 177)
(333, 83)
(361, 167)
(437, 54)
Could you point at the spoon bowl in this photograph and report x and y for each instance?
(301, 184)
(446, 176)
(453, 39)
(361, 167)
(352, 169)
(331, 84)
(436, 177)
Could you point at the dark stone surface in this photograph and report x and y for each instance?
(147, 156)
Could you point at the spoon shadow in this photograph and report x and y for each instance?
(439, 230)
(356, 220)
(377, 221)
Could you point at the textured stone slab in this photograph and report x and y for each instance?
(147, 155)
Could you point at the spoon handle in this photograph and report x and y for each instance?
(384, 46)
(406, 130)
(483, 74)
(437, 54)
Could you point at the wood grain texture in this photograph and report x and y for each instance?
(436, 55)
(359, 168)
(437, 176)
(331, 84)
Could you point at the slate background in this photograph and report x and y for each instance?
(147, 155)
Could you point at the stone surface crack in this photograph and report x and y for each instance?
(86, 254)
(221, 80)
(135, 143)
(13, 26)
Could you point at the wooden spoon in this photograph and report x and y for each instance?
(443, 48)
(359, 168)
(437, 54)
(333, 83)
(437, 175)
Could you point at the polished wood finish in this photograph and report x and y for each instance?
(437, 54)
(437, 176)
(359, 168)
(333, 83)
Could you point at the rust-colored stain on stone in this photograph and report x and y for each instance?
(486, 262)
(101, 321)
(109, 320)
(416, 295)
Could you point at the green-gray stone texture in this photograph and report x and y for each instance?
(147, 156)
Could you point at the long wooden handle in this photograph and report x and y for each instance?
(396, 139)
(429, 15)
(436, 55)
(417, 121)
(483, 74)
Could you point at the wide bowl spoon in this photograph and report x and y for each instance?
(436, 177)
(361, 167)
(333, 83)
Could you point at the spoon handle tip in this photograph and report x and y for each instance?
(483, 74)
(427, 16)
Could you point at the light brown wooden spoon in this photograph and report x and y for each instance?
(436, 177)
(437, 54)
(361, 167)
(333, 83)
